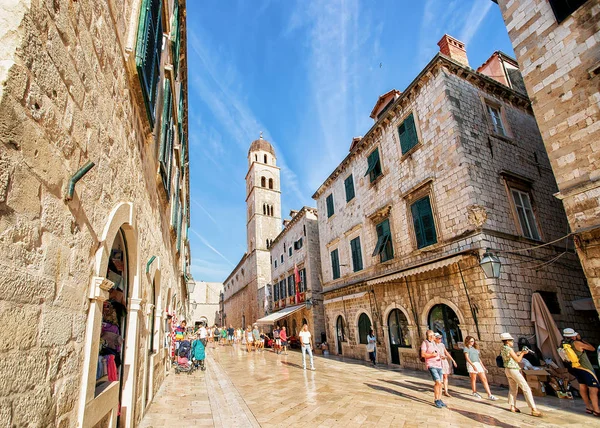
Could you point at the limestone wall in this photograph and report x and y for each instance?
(68, 96)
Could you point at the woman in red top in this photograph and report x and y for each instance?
(284, 341)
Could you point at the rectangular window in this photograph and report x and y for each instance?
(282, 289)
(303, 284)
(525, 213)
(384, 246)
(564, 8)
(147, 53)
(175, 39)
(275, 293)
(298, 244)
(374, 165)
(282, 258)
(291, 286)
(349, 185)
(330, 208)
(357, 263)
(165, 152)
(275, 263)
(407, 132)
(335, 264)
(290, 251)
(550, 298)
(496, 118)
(423, 222)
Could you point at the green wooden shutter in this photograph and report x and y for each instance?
(330, 207)
(349, 184)
(175, 39)
(372, 161)
(357, 263)
(148, 50)
(408, 134)
(335, 264)
(423, 223)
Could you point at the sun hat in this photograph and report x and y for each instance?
(506, 336)
(569, 332)
(437, 335)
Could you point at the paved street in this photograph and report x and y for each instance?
(265, 389)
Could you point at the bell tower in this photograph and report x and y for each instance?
(263, 196)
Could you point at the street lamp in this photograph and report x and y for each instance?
(191, 285)
(490, 264)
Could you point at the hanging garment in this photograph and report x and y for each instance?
(99, 368)
(112, 369)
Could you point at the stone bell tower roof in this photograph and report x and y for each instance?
(261, 145)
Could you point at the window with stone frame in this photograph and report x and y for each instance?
(384, 247)
(335, 264)
(407, 133)
(303, 284)
(496, 119)
(349, 186)
(364, 325)
(357, 262)
(522, 204)
(290, 251)
(282, 289)
(330, 206)
(275, 292)
(298, 244)
(423, 222)
(373, 165)
(291, 285)
(564, 8)
(167, 134)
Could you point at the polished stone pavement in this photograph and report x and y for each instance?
(266, 389)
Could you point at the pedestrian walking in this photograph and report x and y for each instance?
(431, 356)
(284, 341)
(582, 369)
(230, 332)
(372, 347)
(511, 360)
(249, 339)
(276, 338)
(476, 368)
(256, 337)
(203, 335)
(446, 368)
(306, 343)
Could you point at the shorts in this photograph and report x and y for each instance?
(284, 343)
(230, 337)
(278, 342)
(436, 374)
(584, 377)
(472, 370)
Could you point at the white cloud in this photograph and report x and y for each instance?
(473, 21)
(213, 249)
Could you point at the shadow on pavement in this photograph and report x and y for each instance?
(398, 393)
(404, 385)
(483, 419)
(291, 364)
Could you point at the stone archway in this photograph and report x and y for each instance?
(392, 337)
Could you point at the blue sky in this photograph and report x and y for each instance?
(307, 74)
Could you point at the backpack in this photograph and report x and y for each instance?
(500, 361)
(568, 355)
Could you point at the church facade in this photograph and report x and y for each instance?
(242, 288)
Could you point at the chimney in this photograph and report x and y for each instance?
(286, 222)
(293, 213)
(454, 49)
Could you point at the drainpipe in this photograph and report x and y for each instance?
(76, 177)
(149, 263)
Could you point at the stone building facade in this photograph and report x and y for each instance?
(204, 303)
(297, 247)
(557, 44)
(94, 193)
(454, 164)
(244, 288)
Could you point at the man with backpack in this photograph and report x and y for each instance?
(572, 352)
(430, 355)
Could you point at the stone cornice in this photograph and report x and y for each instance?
(438, 62)
(292, 222)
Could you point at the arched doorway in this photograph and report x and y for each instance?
(398, 332)
(442, 319)
(243, 322)
(113, 334)
(340, 333)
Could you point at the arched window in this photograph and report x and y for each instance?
(364, 325)
(263, 182)
(256, 158)
(266, 159)
(270, 183)
(264, 209)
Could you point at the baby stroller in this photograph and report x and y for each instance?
(198, 354)
(183, 362)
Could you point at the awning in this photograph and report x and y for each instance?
(416, 270)
(271, 318)
(348, 297)
(583, 304)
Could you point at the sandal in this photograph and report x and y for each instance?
(589, 411)
(596, 414)
(515, 410)
(536, 413)
(447, 394)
